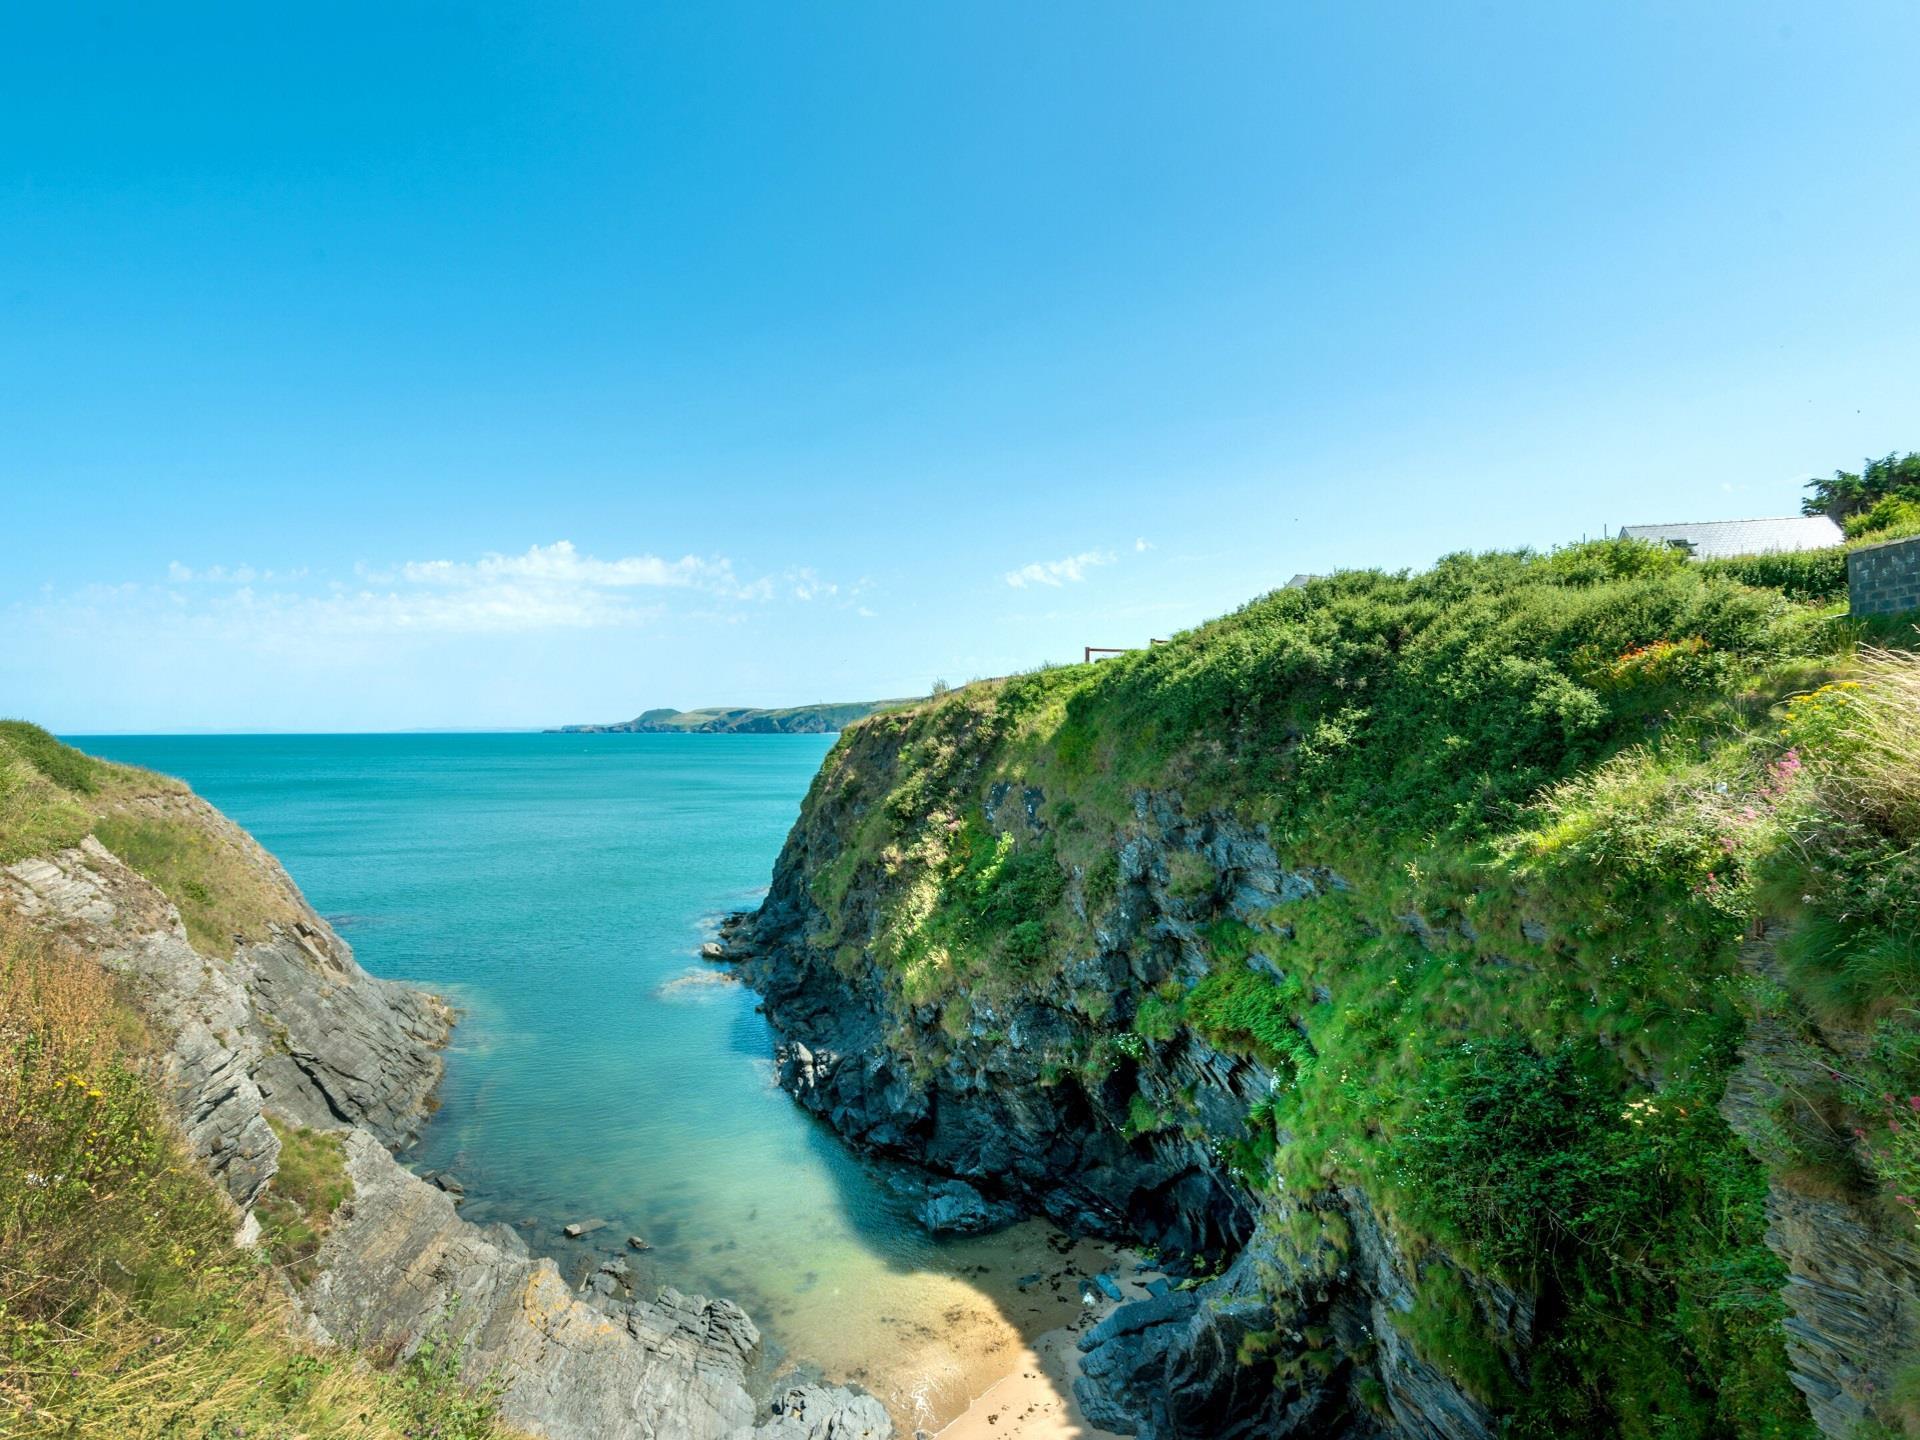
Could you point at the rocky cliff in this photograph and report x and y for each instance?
(283, 1025)
(1375, 955)
(1307, 1283)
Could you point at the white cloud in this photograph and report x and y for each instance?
(1057, 573)
(1141, 545)
(809, 586)
(561, 564)
(546, 587)
(180, 574)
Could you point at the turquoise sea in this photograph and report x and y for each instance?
(557, 888)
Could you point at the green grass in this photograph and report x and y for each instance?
(310, 1184)
(125, 1309)
(44, 792)
(1569, 767)
(221, 891)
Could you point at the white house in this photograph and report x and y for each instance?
(1722, 539)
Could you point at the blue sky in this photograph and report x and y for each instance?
(402, 365)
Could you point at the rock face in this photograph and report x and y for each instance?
(956, 1208)
(1852, 1273)
(289, 1024)
(398, 1261)
(1291, 1337)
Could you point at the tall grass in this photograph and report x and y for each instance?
(126, 1312)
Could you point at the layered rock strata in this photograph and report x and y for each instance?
(289, 1025)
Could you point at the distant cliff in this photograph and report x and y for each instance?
(821, 719)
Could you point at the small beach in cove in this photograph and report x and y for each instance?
(557, 889)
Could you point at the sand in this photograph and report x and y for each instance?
(1035, 1400)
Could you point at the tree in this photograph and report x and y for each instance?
(1848, 493)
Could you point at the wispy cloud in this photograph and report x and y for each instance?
(230, 574)
(809, 586)
(545, 587)
(1056, 573)
(560, 564)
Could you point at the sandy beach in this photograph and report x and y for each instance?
(1034, 1401)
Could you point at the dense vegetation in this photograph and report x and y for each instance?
(1564, 791)
(126, 1309)
(1890, 486)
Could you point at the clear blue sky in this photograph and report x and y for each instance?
(369, 366)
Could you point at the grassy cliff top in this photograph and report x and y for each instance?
(1563, 792)
(225, 886)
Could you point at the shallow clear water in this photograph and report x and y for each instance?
(557, 888)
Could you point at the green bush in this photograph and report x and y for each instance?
(1887, 517)
(1243, 1009)
(1517, 1153)
(62, 764)
(1803, 575)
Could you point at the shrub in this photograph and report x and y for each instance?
(1190, 876)
(1512, 1150)
(1886, 518)
(1803, 575)
(1242, 1009)
(66, 767)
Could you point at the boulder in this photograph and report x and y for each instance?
(582, 1227)
(954, 1207)
(812, 1412)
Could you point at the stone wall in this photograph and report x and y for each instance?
(1884, 579)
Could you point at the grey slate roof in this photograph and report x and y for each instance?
(1718, 539)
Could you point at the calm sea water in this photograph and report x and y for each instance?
(557, 888)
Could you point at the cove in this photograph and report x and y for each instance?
(557, 888)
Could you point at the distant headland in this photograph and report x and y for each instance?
(739, 720)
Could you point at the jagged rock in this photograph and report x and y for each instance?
(811, 1412)
(1851, 1276)
(293, 1025)
(713, 950)
(1006, 1108)
(399, 1264)
(956, 1208)
(291, 1022)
